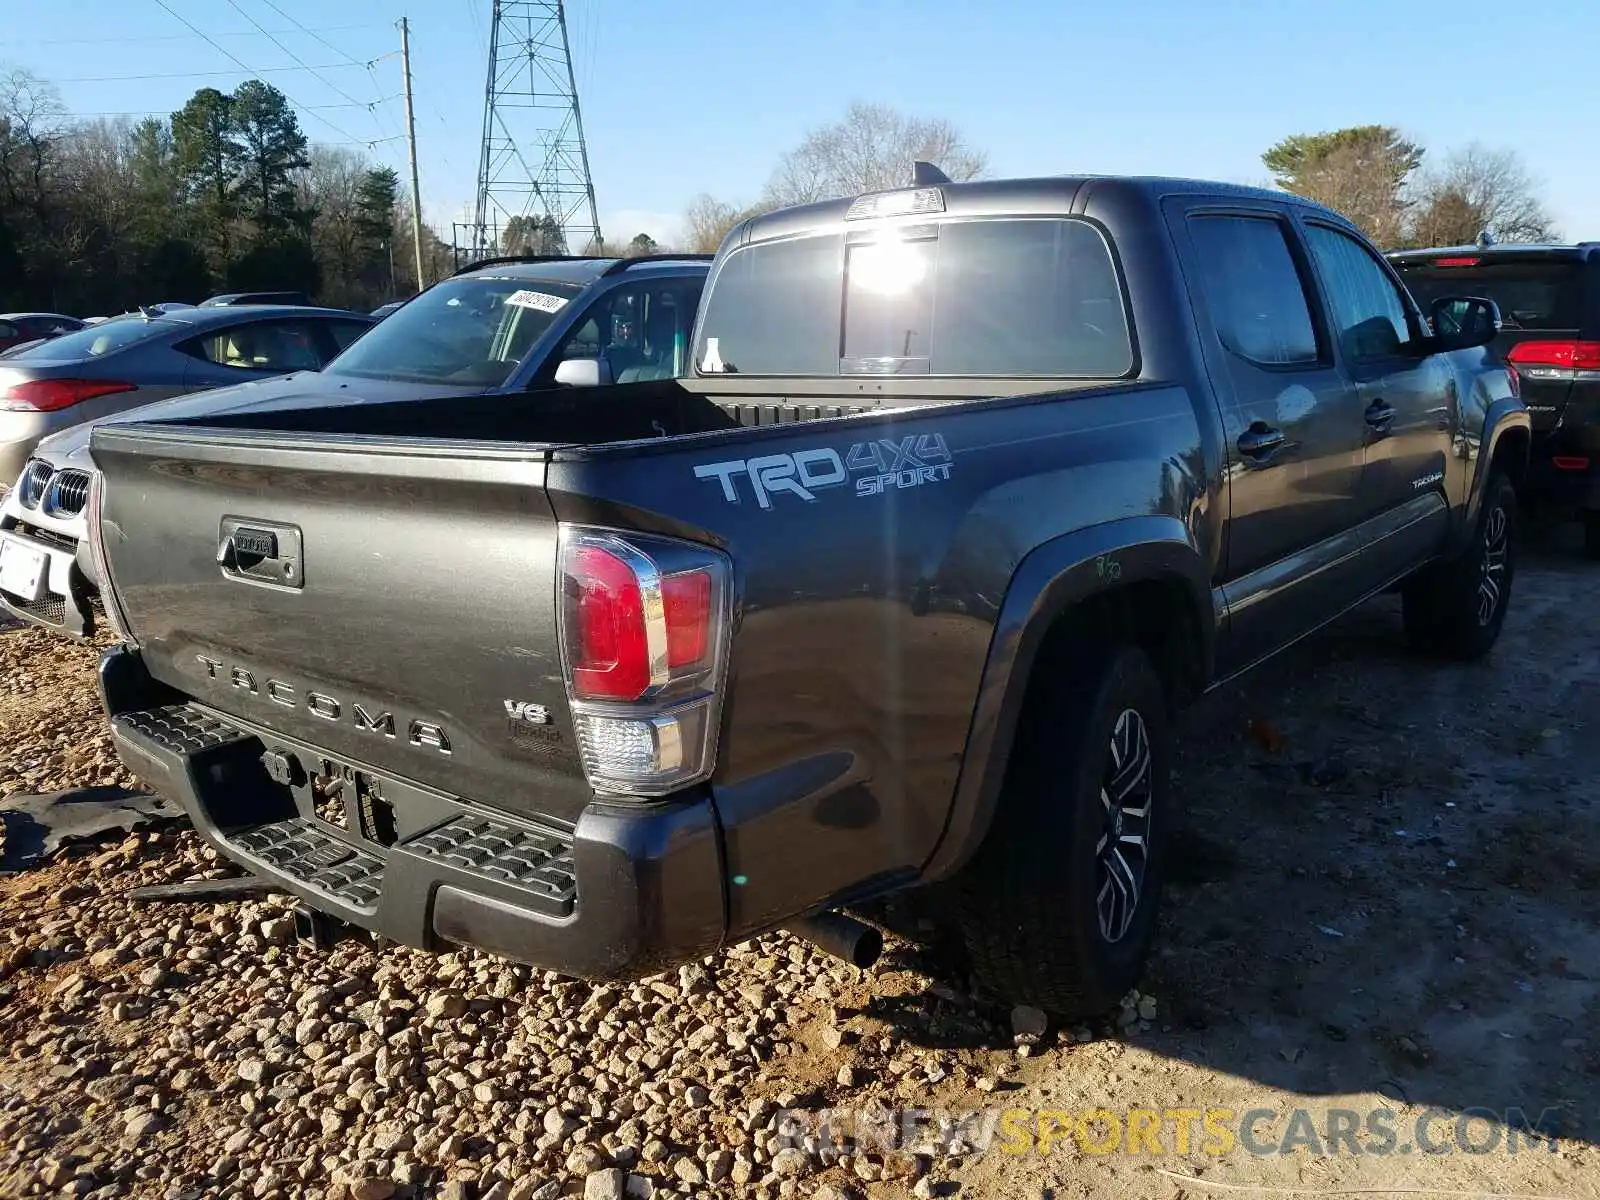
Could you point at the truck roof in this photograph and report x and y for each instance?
(1014, 197)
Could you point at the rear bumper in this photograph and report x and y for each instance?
(64, 606)
(1568, 485)
(624, 892)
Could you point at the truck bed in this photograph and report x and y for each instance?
(565, 416)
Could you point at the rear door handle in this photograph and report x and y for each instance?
(1379, 415)
(1260, 441)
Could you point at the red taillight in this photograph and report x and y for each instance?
(1455, 262)
(1561, 355)
(610, 653)
(644, 631)
(51, 395)
(1569, 462)
(686, 602)
(630, 628)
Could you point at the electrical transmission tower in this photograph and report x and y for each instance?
(533, 169)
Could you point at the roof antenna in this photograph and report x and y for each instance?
(925, 174)
(1485, 239)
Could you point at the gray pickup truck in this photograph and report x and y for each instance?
(967, 488)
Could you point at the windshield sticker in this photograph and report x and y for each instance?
(712, 363)
(874, 467)
(538, 301)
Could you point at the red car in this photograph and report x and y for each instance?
(17, 328)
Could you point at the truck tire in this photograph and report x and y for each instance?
(1057, 909)
(1591, 534)
(1455, 609)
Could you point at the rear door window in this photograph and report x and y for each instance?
(1026, 297)
(275, 346)
(1532, 295)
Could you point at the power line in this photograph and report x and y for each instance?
(314, 33)
(167, 112)
(335, 88)
(184, 21)
(186, 37)
(190, 75)
(351, 60)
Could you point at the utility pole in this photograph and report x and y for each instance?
(411, 143)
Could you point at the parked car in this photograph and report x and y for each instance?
(492, 328)
(384, 310)
(232, 299)
(892, 592)
(106, 369)
(17, 329)
(1549, 298)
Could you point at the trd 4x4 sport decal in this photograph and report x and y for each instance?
(874, 468)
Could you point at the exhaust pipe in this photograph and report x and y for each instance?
(858, 943)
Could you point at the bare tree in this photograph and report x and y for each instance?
(870, 150)
(707, 221)
(329, 188)
(1477, 190)
(31, 122)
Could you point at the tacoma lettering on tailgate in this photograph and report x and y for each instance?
(424, 735)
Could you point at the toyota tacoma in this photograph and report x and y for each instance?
(965, 489)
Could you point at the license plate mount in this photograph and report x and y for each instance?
(24, 571)
(354, 802)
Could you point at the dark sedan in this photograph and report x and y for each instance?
(136, 359)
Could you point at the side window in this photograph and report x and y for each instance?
(276, 346)
(1369, 315)
(1254, 290)
(641, 331)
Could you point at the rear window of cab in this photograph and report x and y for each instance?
(1023, 297)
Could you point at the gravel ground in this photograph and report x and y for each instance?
(1391, 897)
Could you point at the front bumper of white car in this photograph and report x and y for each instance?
(46, 577)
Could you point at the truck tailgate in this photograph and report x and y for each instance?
(390, 603)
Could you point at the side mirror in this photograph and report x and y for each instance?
(583, 372)
(1463, 322)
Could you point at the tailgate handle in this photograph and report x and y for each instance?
(260, 552)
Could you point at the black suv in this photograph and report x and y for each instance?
(1549, 298)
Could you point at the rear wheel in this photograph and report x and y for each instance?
(1456, 609)
(1058, 907)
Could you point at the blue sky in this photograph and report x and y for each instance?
(692, 96)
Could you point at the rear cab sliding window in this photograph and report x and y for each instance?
(1024, 297)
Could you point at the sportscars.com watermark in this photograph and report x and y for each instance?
(1160, 1131)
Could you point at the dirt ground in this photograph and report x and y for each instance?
(1389, 900)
